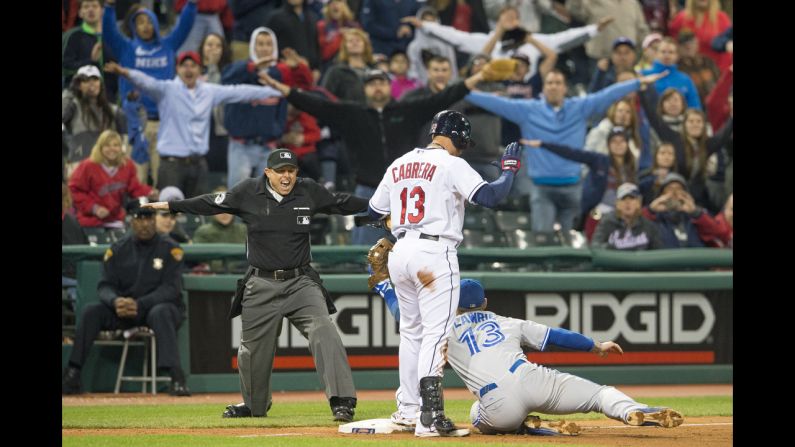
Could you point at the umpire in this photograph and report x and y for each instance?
(277, 209)
(141, 285)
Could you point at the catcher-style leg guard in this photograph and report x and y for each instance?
(432, 410)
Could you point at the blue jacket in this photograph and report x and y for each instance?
(261, 119)
(381, 19)
(156, 58)
(676, 79)
(538, 120)
(668, 221)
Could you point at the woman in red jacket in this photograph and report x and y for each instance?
(706, 20)
(101, 182)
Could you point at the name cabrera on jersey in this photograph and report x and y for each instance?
(483, 346)
(424, 190)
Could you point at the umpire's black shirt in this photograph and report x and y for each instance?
(278, 232)
(148, 271)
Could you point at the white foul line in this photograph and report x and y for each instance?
(271, 435)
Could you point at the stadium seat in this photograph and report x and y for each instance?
(512, 220)
(339, 230)
(478, 238)
(479, 219)
(100, 235)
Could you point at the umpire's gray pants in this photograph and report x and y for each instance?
(265, 303)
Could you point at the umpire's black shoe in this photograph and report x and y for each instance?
(342, 408)
(71, 381)
(242, 410)
(178, 388)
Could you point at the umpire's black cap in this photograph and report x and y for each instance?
(281, 158)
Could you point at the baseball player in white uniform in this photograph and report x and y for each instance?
(424, 192)
(485, 350)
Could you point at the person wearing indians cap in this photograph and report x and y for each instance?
(141, 285)
(626, 228)
(277, 208)
(185, 105)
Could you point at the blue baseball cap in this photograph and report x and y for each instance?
(623, 41)
(472, 294)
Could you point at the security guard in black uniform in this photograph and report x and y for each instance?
(277, 209)
(141, 286)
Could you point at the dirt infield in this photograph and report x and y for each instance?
(701, 432)
(695, 432)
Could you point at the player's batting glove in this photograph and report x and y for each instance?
(511, 158)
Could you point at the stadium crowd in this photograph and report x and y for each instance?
(147, 112)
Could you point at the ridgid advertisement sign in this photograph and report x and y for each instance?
(655, 327)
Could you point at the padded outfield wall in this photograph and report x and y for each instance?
(675, 325)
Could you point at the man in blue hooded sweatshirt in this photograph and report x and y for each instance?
(153, 55)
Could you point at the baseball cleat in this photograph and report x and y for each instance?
(655, 416)
(564, 428)
(441, 426)
(398, 419)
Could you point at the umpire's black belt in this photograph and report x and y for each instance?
(279, 275)
(422, 236)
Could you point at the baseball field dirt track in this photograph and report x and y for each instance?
(706, 431)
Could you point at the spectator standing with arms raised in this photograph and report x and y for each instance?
(555, 190)
(187, 99)
(151, 54)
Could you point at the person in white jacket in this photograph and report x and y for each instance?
(473, 43)
(424, 42)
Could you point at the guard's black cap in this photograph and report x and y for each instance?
(134, 208)
(282, 157)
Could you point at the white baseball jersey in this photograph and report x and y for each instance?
(483, 346)
(424, 190)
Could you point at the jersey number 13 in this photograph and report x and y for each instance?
(417, 212)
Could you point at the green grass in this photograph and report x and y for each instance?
(297, 414)
(291, 441)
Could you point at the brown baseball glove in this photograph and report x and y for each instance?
(377, 258)
(499, 69)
